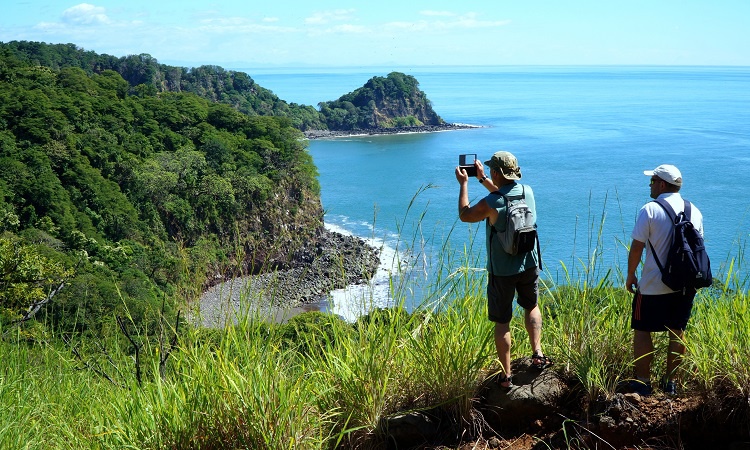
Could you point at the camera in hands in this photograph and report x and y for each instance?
(466, 162)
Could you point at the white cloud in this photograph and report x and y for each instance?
(324, 17)
(469, 20)
(270, 19)
(85, 14)
(421, 25)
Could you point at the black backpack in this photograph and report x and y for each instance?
(687, 264)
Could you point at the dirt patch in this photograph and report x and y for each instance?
(546, 410)
(624, 422)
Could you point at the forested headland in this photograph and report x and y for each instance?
(390, 102)
(120, 193)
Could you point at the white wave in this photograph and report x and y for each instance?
(359, 299)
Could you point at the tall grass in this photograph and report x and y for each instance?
(718, 344)
(320, 382)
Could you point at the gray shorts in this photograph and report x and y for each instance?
(502, 289)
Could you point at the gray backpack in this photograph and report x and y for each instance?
(520, 235)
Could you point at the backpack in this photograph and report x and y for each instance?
(520, 233)
(687, 265)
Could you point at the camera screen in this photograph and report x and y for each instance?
(467, 160)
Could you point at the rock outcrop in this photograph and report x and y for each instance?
(391, 102)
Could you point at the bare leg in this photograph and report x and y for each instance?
(533, 322)
(676, 351)
(643, 352)
(502, 344)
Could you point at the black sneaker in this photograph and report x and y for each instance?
(638, 387)
(669, 387)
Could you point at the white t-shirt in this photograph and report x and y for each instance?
(654, 225)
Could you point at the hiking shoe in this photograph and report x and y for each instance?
(669, 387)
(638, 387)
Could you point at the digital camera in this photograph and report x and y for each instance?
(466, 162)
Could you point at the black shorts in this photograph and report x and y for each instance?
(662, 312)
(501, 290)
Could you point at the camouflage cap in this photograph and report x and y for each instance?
(506, 164)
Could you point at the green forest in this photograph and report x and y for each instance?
(382, 102)
(118, 196)
(148, 77)
(126, 184)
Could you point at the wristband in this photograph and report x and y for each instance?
(481, 180)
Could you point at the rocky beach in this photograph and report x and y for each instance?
(333, 261)
(324, 134)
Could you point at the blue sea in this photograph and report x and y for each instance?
(583, 137)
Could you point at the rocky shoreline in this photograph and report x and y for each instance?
(325, 134)
(333, 261)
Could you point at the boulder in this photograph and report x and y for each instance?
(535, 395)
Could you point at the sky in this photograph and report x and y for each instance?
(398, 33)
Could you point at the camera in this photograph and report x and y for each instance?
(466, 162)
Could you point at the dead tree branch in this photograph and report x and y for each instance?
(136, 346)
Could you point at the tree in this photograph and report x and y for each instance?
(27, 278)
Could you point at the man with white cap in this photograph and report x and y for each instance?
(656, 307)
(507, 274)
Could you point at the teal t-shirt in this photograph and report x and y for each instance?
(500, 263)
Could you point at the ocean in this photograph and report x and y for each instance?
(583, 137)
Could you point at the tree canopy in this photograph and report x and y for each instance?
(144, 74)
(132, 192)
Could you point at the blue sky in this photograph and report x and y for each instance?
(399, 33)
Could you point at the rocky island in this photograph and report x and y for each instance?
(384, 105)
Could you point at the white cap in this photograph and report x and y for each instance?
(666, 172)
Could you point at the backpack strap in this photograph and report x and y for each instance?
(673, 217)
(687, 210)
(515, 197)
(666, 207)
(670, 211)
(539, 252)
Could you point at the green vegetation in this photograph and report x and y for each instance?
(394, 101)
(145, 75)
(125, 197)
(124, 181)
(383, 102)
(319, 382)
